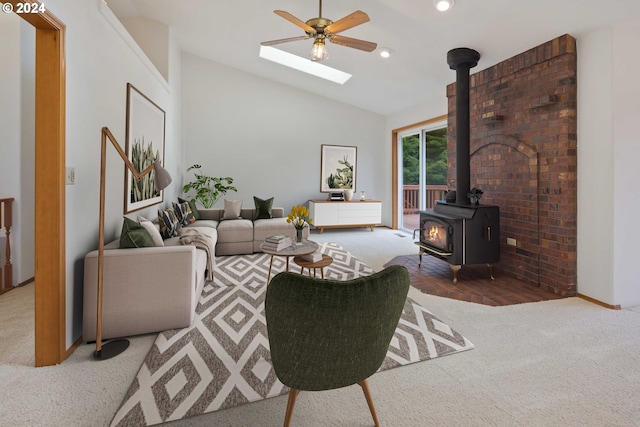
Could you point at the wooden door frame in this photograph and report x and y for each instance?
(49, 231)
(394, 164)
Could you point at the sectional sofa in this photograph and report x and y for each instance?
(152, 289)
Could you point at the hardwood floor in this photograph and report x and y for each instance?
(474, 283)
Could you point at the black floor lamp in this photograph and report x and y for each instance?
(162, 180)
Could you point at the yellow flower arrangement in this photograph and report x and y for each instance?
(299, 217)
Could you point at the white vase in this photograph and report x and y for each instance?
(348, 194)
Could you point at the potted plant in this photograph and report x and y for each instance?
(299, 217)
(474, 195)
(207, 188)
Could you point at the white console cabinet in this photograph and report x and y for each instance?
(356, 213)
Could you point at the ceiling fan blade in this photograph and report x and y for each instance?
(289, 17)
(354, 43)
(290, 39)
(356, 18)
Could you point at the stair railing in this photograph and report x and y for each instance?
(6, 272)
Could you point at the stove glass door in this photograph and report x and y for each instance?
(435, 233)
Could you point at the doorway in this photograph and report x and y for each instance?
(49, 196)
(422, 171)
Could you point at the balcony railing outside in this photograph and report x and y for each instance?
(411, 197)
(6, 272)
(411, 202)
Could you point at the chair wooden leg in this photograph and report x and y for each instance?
(293, 393)
(367, 394)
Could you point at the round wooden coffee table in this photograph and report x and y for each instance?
(320, 264)
(304, 248)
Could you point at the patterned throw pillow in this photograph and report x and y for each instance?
(133, 235)
(184, 214)
(192, 205)
(169, 223)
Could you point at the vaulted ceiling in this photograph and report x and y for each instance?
(230, 31)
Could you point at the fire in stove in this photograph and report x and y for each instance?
(433, 234)
(436, 235)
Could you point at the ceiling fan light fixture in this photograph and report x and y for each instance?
(319, 51)
(443, 5)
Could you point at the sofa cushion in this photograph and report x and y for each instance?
(169, 224)
(232, 209)
(204, 223)
(153, 230)
(263, 207)
(134, 235)
(240, 230)
(183, 212)
(263, 228)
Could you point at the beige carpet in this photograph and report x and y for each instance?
(17, 326)
(553, 363)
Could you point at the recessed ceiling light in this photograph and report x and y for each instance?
(385, 52)
(302, 64)
(443, 5)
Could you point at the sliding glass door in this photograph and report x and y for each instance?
(423, 171)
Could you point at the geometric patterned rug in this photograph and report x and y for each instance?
(223, 359)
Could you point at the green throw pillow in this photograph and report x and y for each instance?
(192, 205)
(134, 235)
(263, 208)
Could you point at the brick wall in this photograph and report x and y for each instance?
(523, 156)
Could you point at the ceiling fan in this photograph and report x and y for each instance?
(322, 29)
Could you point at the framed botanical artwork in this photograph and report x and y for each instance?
(144, 145)
(338, 168)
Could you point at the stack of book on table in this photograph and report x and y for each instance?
(312, 257)
(277, 242)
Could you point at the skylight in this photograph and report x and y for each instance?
(303, 64)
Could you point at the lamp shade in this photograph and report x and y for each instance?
(163, 179)
(319, 51)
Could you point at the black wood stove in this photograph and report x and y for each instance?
(460, 235)
(460, 232)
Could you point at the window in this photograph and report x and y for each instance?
(422, 154)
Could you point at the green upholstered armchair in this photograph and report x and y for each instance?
(327, 334)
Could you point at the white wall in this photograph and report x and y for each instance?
(268, 136)
(608, 177)
(428, 109)
(154, 39)
(17, 135)
(595, 165)
(626, 154)
(26, 217)
(100, 61)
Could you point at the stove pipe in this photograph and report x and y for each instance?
(462, 60)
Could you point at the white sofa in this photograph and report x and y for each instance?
(157, 288)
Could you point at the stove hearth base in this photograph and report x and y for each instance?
(423, 249)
